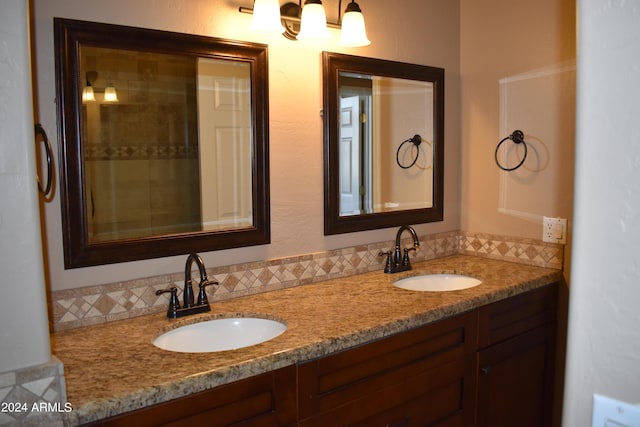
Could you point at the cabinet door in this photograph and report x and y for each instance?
(416, 378)
(266, 400)
(515, 382)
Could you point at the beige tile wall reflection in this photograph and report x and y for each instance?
(141, 153)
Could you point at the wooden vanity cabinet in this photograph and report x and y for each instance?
(493, 367)
(516, 360)
(415, 378)
(266, 400)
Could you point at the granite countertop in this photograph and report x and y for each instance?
(114, 368)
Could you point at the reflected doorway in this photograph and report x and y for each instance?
(356, 146)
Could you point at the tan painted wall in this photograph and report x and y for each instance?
(422, 32)
(527, 48)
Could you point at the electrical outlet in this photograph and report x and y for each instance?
(554, 230)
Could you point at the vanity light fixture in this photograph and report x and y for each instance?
(266, 16)
(353, 32)
(313, 23)
(309, 21)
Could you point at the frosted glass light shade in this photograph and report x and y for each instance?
(110, 94)
(313, 21)
(87, 94)
(354, 33)
(266, 16)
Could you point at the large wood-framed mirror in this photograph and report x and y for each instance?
(163, 142)
(383, 143)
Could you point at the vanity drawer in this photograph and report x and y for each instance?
(395, 380)
(506, 319)
(266, 400)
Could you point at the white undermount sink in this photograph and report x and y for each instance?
(220, 335)
(437, 282)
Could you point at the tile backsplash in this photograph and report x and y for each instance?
(34, 396)
(92, 305)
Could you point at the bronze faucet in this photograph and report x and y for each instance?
(202, 304)
(397, 261)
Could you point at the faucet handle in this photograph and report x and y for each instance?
(389, 262)
(174, 304)
(405, 257)
(202, 294)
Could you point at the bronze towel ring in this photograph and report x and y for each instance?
(517, 136)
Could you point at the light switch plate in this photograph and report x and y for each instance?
(608, 412)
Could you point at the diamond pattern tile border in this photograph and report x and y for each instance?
(34, 396)
(74, 308)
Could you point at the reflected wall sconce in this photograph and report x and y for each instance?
(89, 91)
(297, 22)
(110, 94)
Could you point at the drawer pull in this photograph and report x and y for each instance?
(485, 370)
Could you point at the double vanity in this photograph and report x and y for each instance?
(357, 350)
(458, 340)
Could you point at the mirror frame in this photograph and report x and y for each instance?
(333, 64)
(69, 36)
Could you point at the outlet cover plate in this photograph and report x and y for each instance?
(554, 230)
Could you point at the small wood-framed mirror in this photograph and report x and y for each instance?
(163, 142)
(383, 143)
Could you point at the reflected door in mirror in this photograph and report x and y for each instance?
(224, 115)
(351, 174)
